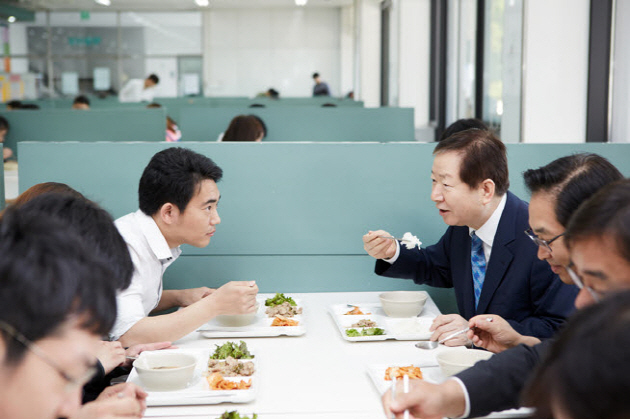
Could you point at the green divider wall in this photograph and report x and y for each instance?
(292, 214)
(305, 123)
(92, 125)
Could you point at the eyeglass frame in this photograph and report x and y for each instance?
(72, 382)
(578, 283)
(540, 242)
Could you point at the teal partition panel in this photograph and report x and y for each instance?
(292, 214)
(2, 193)
(92, 125)
(305, 123)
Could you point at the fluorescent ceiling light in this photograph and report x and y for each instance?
(301, 2)
(202, 3)
(11, 19)
(104, 2)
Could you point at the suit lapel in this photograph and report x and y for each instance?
(501, 256)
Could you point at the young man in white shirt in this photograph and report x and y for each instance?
(138, 90)
(178, 198)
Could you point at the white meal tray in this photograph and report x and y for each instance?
(198, 392)
(260, 328)
(414, 328)
(432, 374)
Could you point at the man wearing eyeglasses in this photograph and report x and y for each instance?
(484, 254)
(56, 300)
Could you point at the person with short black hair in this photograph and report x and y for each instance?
(138, 90)
(483, 255)
(13, 105)
(320, 88)
(178, 198)
(462, 125)
(81, 102)
(7, 153)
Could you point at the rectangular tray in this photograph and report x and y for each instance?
(414, 328)
(260, 328)
(198, 392)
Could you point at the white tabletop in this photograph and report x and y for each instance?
(314, 376)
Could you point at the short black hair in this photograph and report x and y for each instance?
(273, 93)
(4, 124)
(585, 373)
(93, 224)
(30, 106)
(605, 214)
(47, 277)
(81, 99)
(572, 179)
(315, 75)
(14, 104)
(154, 78)
(462, 125)
(174, 175)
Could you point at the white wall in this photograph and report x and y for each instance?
(555, 58)
(246, 51)
(368, 21)
(347, 50)
(620, 111)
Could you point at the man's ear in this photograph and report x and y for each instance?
(487, 189)
(169, 213)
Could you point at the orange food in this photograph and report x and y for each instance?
(356, 311)
(217, 382)
(397, 373)
(283, 321)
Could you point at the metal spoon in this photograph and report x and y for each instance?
(427, 344)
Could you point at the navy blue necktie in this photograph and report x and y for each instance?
(478, 263)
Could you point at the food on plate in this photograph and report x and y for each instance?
(239, 351)
(217, 382)
(283, 321)
(231, 367)
(397, 373)
(285, 309)
(234, 415)
(278, 299)
(356, 311)
(410, 241)
(365, 323)
(371, 331)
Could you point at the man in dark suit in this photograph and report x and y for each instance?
(484, 254)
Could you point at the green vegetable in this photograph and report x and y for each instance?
(231, 349)
(279, 299)
(370, 331)
(234, 415)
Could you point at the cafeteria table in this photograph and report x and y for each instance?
(314, 376)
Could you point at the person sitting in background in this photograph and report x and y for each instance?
(270, 93)
(173, 134)
(462, 125)
(586, 372)
(178, 198)
(138, 90)
(320, 88)
(81, 102)
(245, 128)
(483, 254)
(56, 300)
(13, 105)
(7, 153)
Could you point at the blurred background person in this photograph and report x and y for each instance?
(462, 125)
(173, 134)
(138, 90)
(81, 102)
(245, 128)
(7, 153)
(321, 88)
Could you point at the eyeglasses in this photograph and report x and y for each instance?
(540, 242)
(578, 283)
(72, 383)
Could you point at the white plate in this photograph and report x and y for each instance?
(198, 392)
(414, 328)
(260, 328)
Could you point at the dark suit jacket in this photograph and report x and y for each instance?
(496, 384)
(518, 286)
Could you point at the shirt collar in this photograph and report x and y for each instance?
(489, 229)
(155, 238)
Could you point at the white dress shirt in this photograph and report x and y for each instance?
(151, 256)
(134, 91)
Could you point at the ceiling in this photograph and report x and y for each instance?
(165, 5)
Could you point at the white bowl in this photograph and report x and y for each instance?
(238, 320)
(456, 360)
(165, 371)
(403, 303)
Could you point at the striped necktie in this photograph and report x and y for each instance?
(478, 263)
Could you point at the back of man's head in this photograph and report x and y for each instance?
(483, 156)
(173, 176)
(4, 124)
(154, 78)
(462, 125)
(47, 277)
(81, 100)
(315, 75)
(93, 224)
(605, 214)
